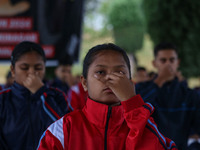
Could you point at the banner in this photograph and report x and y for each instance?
(55, 24)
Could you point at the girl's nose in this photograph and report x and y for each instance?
(31, 71)
(107, 77)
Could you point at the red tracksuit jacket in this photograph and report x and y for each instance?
(77, 96)
(102, 127)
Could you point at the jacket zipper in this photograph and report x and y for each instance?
(30, 121)
(106, 128)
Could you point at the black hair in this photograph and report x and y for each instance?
(152, 74)
(66, 60)
(8, 75)
(25, 47)
(141, 69)
(164, 46)
(89, 58)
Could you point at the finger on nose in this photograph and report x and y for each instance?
(32, 73)
(108, 77)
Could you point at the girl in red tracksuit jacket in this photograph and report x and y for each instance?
(114, 117)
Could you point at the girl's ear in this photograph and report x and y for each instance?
(12, 70)
(84, 83)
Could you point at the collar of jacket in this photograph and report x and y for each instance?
(97, 112)
(23, 93)
(19, 90)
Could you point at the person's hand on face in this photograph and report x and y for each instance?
(33, 82)
(120, 85)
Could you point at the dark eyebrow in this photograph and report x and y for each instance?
(118, 66)
(38, 64)
(100, 66)
(174, 58)
(25, 64)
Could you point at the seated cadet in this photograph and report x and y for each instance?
(28, 107)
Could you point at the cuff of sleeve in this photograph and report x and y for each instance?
(133, 102)
(40, 91)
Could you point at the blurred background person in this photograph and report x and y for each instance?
(77, 96)
(141, 75)
(177, 106)
(63, 75)
(151, 75)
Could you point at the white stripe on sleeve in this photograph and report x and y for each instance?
(57, 130)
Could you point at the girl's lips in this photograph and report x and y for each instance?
(108, 90)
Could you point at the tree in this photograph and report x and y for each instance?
(178, 22)
(127, 21)
(91, 5)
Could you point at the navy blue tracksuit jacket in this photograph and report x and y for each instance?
(177, 109)
(57, 83)
(25, 116)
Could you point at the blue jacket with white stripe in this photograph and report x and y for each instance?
(177, 109)
(25, 116)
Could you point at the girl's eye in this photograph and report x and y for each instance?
(24, 68)
(121, 72)
(38, 68)
(100, 72)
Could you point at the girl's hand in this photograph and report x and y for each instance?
(33, 82)
(120, 84)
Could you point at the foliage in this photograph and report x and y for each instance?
(91, 5)
(127, 20)
(178, 22)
